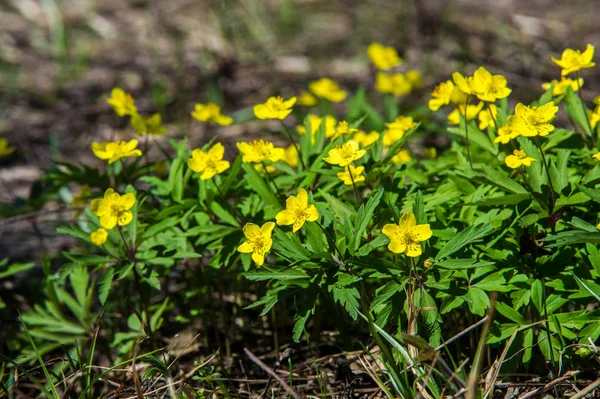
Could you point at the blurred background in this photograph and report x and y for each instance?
(60, 59)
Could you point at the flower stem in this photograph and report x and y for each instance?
(130, 253)
(331, 241)
(271, 180)
(587, 119)
(353, 186)
(489, 107)
(467, 132)
(537, 142)
(293, 143)
(234, 210)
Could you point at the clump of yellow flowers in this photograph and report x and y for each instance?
(297, 211)
(211, 112)
(275, 108)
(113, 151)
(113, 209)
(517, 159)
(258, 241)
(208, 163)
(406, 236)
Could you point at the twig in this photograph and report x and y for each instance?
(270, 371)
(584, 392)
(463, 332)
(551, 385)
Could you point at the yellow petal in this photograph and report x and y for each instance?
(413, 249)
(258, 258)
(396, 246)
(284, 218)
(245, 248)
(251, 230)
(267, 229)
(422, 232)
(407, 221)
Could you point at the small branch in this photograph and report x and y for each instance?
(270, 371)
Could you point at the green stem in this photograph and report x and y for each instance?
(467, 132)
(537, 142)
(493, 118)
(128, 250)
(293, 143)
(587, 119)
(547, 325)
(277, 192)
(353, 186)
(234, 210)
(331, 242)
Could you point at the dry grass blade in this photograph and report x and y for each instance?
(270, 371)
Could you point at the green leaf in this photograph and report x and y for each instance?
(364, 216)
(477, 300)
(510, 313)
(260, 187)
(475, 136)
(13, 268)
(574, 108)
(104, 284)
(468, 236)
(378, 242)
(537, 295)
(502, 180)
(461, 264)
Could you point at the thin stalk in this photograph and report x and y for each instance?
(547, 325)
(489, 107)
(353, 186)
(331, 241)
(270, 180)
(234, 210)
(293, 143)
(467, 132)
(129, 251)
(587, 119)
(537, 142)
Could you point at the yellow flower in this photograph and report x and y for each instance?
(259, 167)
(306, 99)
(366, 139)
(297, 211)
(260, 151)
(458, 96)
(574, 60)
(274, 108)
(342, 129)
(402, 157)
(534, 121)
(345, 154)
(122, 102)
(405, 237)
(561, 86)
(594, 117)
(208, 163)
(5, 149)
(441, 95)
(80, 199)
(415, 78)
(428, 263)
(395, 84)
(430, 153)
(396, 129)
(518, 158)
(472, 111)
(486, 119)
(291, 156)
(211, 113)
(383, 57)
(488, 87)
(597, 100)
(463, 83)
(258, 241)
(113, 209)
(596, 156)
(151, 125)
(315, 125)
(99, 236)
(113, 151)
(327, 89)
(507, 132)
(356, 175)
